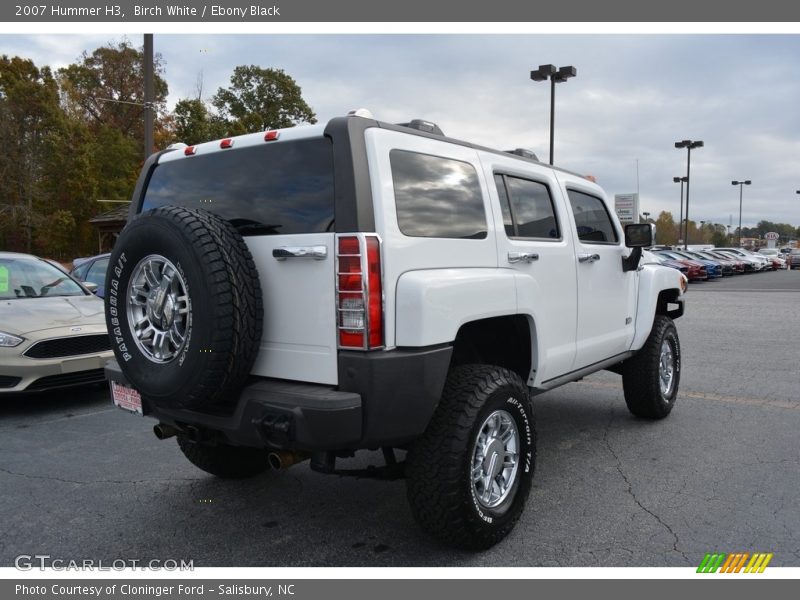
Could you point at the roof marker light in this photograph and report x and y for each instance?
(271, 135)
(190, 151)
(226, 143)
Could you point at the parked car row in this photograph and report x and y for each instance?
(702, 265)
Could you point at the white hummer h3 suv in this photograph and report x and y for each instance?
(309, 292)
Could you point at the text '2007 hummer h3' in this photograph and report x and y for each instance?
(314, 291)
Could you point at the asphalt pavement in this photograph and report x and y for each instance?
(83, 480)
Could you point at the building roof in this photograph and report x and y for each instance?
(118, 214)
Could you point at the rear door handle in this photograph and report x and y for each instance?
(588, 258)
(315, 252)
(517, 257)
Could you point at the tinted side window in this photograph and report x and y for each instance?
(80, 272)
(591, 218)
(277, 188)
(530, 207)
(437, 197)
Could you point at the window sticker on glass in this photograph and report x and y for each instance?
(3, 278)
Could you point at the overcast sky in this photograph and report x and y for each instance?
(633, 97)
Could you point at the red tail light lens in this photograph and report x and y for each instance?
(374, 293)
(351, 319)
(359, 298)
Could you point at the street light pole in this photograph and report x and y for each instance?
(740, 184)
(555, 75)
(689, 145)
(680, 180)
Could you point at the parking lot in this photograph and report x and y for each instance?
(82, 480)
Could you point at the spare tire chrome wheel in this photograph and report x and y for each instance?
(183, 308)
(495, 459)
(159, 308)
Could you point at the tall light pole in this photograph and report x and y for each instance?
(740, 184)
(689, 145)
(646, 217)
(149, 95)
(680, 180)
(556, 75)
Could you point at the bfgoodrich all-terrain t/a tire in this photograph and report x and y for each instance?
(183, 307)
(650, 378)
(469, 475)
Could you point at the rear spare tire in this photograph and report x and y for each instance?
(183, 307)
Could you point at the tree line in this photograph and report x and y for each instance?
(667, 232)
(75, 136)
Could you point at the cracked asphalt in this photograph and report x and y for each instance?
(81, 479)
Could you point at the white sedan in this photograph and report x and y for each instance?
(775, 255)
(52, 329)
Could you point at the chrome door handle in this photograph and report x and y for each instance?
(315, 252)
(528, 257)
(588, 258)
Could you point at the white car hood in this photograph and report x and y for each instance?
(22, 316)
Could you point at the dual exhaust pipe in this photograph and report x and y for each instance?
(277, 459)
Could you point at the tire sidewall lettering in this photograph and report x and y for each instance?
(187, 344)
(113, 303)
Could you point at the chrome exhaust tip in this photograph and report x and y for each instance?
(283, 459)
(164, 431)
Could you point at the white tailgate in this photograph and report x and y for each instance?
(299, 339)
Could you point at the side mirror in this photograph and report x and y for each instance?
(640, 235)
(92, 287)
(637, 236)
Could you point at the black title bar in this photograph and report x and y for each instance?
(415, 11)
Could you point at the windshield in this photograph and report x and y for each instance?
(33, 278)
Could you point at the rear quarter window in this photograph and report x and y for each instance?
(277, 188)
(437, 197)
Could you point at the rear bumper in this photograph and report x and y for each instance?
(384, 399)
